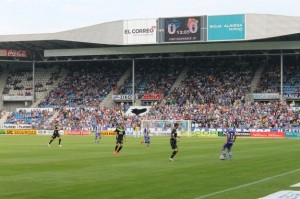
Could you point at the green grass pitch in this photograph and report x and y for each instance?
(82, 169)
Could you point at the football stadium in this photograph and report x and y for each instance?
(186, 107)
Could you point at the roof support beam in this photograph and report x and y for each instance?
(175, 48)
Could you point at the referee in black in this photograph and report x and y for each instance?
(173, 141)
(55, 135)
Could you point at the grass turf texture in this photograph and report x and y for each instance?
(82, 169)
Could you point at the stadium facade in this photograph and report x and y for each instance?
(184, 35)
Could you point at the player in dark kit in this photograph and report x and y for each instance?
(55, 135)
(173, 141)
(120, 134)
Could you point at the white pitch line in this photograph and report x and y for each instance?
(246, 185)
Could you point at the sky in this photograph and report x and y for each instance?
(49, 16)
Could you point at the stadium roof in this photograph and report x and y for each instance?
(262, 33)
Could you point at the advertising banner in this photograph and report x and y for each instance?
(226, 27)
(291, 96)
(151, 96)
(123, 98)
(13, 53)
(2, 131)
(267, 134)
(34, 109)
(108, 132)
(20, 132)
(49, 132)
(205, 133)
(9, 126)
(16, 98)
(182, 29)
(292, 134)
(141, 31)
(266, 96)
(77, 132)
(241, 134)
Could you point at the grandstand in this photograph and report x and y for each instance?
(225, 70)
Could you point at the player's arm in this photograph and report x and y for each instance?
(227, 137)
(173, 134)
(234, 137)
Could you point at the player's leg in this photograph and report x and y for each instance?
(175, 150)
(52, 138)
(120, 147)
(116, 148)
(59, 142)
(229, 151)
(224, 151)
(147, 141)
(96, 137)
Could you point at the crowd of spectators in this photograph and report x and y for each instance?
(34, 117)
(211, 95)
(19, 81)
(84, 86)
(270, 80)
(276, 114)
(152, 76)
(219, 84)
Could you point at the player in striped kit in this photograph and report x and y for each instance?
(146, 136)
(230, 139)
(98, 129)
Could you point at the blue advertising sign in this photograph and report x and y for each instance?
(226, 27)
(292, 134)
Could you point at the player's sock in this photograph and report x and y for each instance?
(173, 154)
(120, 149)
(230, 155)
(50, 141)
(116, 147)
(59, 141)
(224, 154)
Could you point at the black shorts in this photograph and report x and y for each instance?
(173, 145)
(119, 141)
(55, 134)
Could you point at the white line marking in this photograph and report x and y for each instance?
(246, 185)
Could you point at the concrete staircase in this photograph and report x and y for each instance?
(256, 78)
(108, 102)
(255, 81)
(180, 77)
(3, 119)
(55, 114)
(55, 85)
(3, 78)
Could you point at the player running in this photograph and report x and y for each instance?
(56, 134)
(120, 134)
(173, 141)
(230, 139)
